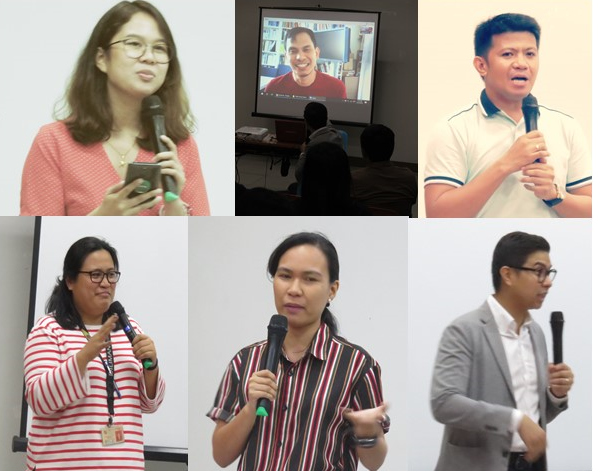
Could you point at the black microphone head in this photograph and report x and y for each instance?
(557, 317)
(278, 323)
(529, 103)
(116, 308)
(152, 106)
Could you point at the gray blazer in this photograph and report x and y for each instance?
(472, 393)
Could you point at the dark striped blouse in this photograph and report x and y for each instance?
(305, 430)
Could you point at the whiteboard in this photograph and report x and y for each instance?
(450, 275)
(152, 255)
(231, 302)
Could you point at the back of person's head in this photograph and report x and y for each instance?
(326, 180)
(61, 302)
(377, 142)
(505, 23)
(87, 110)
(315, 115)
(512, 250)
(292, 33)
(261, 202)
(328, 249)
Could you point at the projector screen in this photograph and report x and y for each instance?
(152, 256)
(330, 58)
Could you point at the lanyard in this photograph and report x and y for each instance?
(110, 385)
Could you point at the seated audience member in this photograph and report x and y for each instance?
(260, 202)
(326, 184)
(382, 183)
(321, 130)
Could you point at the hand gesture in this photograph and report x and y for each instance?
(170, 164)
(262, 384)
(96, 344)
(524, 151)
(560, 379)
(534, 438)
(367, 422)
(117, 203)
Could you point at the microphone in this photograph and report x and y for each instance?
(277, 329)
(153, 111)
(557, 321)
(118, 309)
(530, 110)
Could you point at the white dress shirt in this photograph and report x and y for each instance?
(521, 359)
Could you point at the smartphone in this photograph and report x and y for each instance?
(150, 174)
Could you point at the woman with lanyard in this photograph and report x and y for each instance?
(327, 403)
(77, 165)
(84, 381)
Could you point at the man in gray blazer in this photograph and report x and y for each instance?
(492, 386)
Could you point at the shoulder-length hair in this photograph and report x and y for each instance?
(89, 117)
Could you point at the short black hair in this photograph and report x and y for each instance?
(377, 142)
(505, 23)
(315, 115)
(292, 33)
(61, 304)
(512, 250)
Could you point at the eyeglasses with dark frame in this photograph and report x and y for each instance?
(135, 49)
(97, 276)
(541, 272)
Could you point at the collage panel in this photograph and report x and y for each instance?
(462, 363)
(80, 271)
(309, 81)
(232, 299)
(475, 158)
(71, 66)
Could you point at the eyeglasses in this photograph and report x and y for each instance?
(135, 49)
(97, 276)
(541, 272)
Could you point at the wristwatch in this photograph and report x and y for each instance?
(370, 442)
(559, 197)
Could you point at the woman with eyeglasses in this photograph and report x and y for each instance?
(327, 408)
(77, 165)
(84, 381)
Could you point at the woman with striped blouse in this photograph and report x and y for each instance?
(84, 381)
(327, 403)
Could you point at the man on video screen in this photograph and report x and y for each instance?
(304, 79)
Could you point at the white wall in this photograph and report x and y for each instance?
(447, 80)
(450, 275)
(46, 38)
(16, 252)
(231, 302)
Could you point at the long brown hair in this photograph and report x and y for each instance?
(88, 113)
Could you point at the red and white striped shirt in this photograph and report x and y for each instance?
(305, 430)
(69, 410)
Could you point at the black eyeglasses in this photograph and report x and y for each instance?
(97, 276)
(541, 272)
(135, 49)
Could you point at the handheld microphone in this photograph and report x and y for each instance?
(118, 309)
(277, 329)
(153, 111)
(530, 110)
(557, 321)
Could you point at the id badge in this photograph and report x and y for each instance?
(112, 435)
